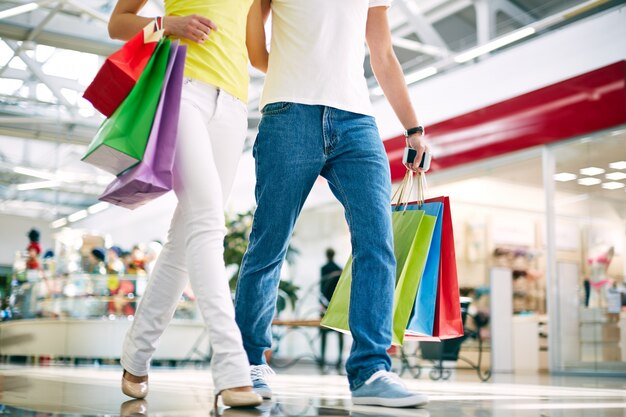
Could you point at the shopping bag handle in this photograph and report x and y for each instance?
(402, 195)
(153, 31)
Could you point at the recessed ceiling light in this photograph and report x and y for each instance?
(591, 171)
(616, 176)
(613, 185)
(618, 165)
(565, 176)
(589, 181)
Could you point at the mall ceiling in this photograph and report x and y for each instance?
(45, 124)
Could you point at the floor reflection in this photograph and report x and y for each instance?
(75, 392)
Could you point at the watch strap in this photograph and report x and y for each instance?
(414, 130)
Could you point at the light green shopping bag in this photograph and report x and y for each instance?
(121, 140)
(412, 234)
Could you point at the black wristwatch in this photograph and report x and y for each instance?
(414, 130)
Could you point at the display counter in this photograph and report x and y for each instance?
(87, 316)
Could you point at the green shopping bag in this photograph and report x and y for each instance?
(411, 276)
(121, 140)
(412, 234)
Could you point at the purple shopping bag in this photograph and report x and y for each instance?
(152, 177)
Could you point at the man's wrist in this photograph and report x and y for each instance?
(414, 131)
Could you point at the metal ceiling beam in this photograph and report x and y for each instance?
(102, 47)
(18, 74)
(514, 12)
(32, 35)
(23, 8)
(416, 46)
(446, 9)
(485, 21)
(49, 133)
(88, 11)
(423, 28)
(35, 67)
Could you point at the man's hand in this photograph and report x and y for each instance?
(418, 143)
(194, 27)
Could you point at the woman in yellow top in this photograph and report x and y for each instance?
(212, 129)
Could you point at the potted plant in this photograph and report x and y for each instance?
(235, 245)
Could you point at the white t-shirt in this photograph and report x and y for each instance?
(317, 54)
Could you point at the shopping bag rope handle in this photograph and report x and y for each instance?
(402, 195)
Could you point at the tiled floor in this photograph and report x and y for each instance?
(73, 392)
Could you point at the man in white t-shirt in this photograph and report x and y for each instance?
(317, 120)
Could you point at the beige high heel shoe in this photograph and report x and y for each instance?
(232, 398)
(137, 390)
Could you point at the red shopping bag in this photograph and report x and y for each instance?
(448, 322)
(122, 69)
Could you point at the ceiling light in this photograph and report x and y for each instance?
(37, 185)
(79, 215)
(591, 171)
(613, 185)
(34, 173)
(420, 75)
(589, 181)
(14, 11)
(564, 177)
(58, 223)
(618, 165)
(495, 44)
(616, 176)
(98, 207)
(410, 79)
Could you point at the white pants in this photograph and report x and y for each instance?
(211, 134)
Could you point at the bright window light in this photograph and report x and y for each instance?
(8, 86)
(44, 52)
(44, 93)
(591, 171)
(618, 165)
(613, 185)
(616, 176)
(564, 176)
(589, 181)
(17, 63)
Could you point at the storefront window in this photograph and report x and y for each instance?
(589, 212)
(498, 217)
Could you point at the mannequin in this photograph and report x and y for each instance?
(598, 278)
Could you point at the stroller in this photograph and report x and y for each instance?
(449, 349)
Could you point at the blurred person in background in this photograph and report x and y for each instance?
(97, 264)
(330, 274)
(114, 261)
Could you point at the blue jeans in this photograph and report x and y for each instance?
(297, 143)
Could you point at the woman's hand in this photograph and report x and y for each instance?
(193, 27)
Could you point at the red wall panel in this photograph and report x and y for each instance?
(577, 106)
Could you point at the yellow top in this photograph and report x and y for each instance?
(222, 60)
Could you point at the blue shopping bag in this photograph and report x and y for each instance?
(422, 318)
